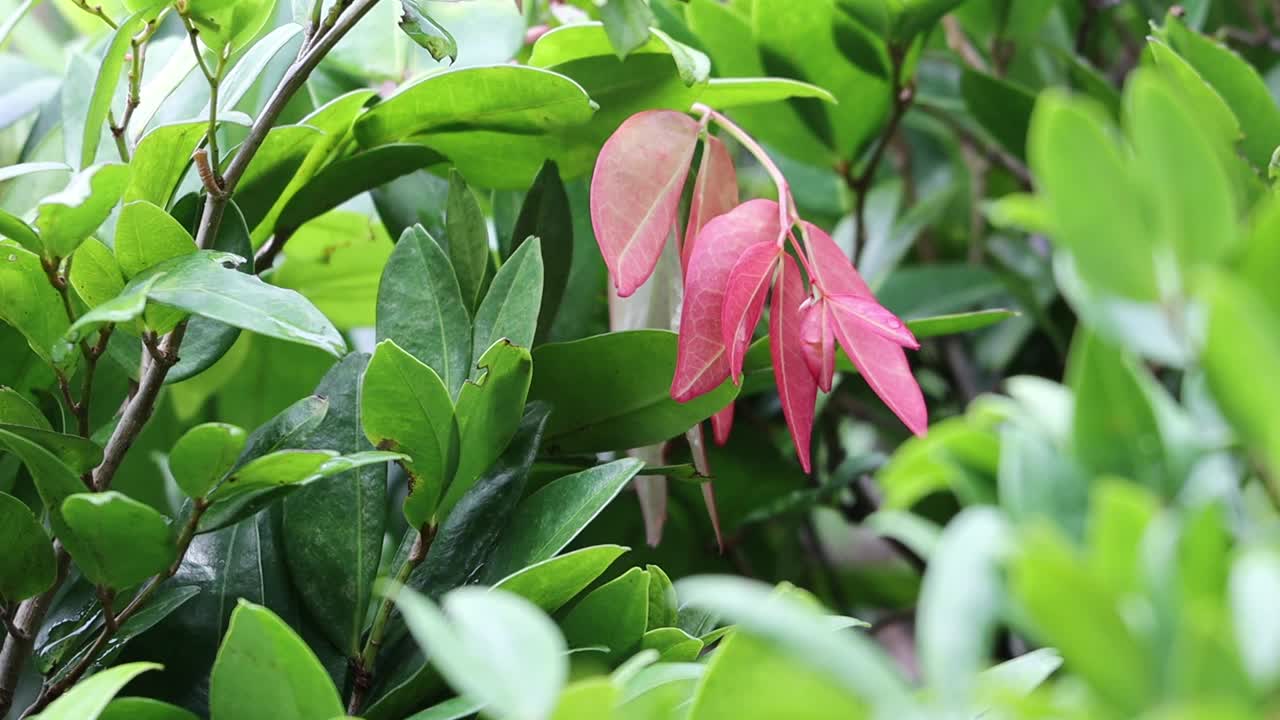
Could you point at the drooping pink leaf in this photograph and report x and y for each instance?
(722, 424)
(715, 192)
(884, 366)
(834, 271)
(796, 385)
(702, 362)
(698, 449)
(744, 298)
(819, 344)
(875, 316)
(635, 192)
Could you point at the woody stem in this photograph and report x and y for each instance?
(786, 204)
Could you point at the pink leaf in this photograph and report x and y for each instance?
(702, 362)
(796, 386)
(698, 449)
(722, 423)
(715, 192)
(835, 273)
(819, 344)
(744, 298)
(635, 192)
(875, 316)
(884, 365)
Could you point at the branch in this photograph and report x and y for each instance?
(903, 96)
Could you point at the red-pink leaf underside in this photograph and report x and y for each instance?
(744, 301)
(882, 362)
(635, 192)
(722, 424)
(796, 386)
(819, 344)
(875, 316)
(715, 193)
(702, 362)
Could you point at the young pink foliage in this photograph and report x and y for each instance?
(722, 424)
(744, 301)
(635, 192)
(715, 192)
(702, 362)
(796, 385)
(882, 362)
(875, 316)
(819, 344)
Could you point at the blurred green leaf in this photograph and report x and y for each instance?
(27, 568)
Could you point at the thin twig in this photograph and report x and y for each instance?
(95, 10)
(860, 184)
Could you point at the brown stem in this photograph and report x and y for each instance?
(26, 621)
(903, 96)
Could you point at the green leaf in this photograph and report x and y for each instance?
(1092, 199)
(627, 23)
(282, 467)
(16, 229)
(1020, 676)
(785, 624)
(147, 236)
(346, 178)
(54, 481)
(136, 708)
(664, 609)
(27, 300)
(106, 522)
(561, 48)
(27, 567)
(919, 16)
(512, 98)
(264, 667)
(956, 323)
(862, 47)
(126, 307)
(468, 236)
(464, 542)
(739, 92)
(488, 412)
(963, 581)
(1001, 107)
(95, 275)
(613, 615)
(335, 261)
(160, 159)
(87, 699)
(613, 392)
(66, 219)
(551, 517)
(458, 708)
(510, 310)
(420, 308)
(551, 583)
(229, 24)
(79, 454)
(493, 647)
(280, 160)
(288, 429)
(17, 410)
(672, 643)
(426, 32)
(199, 284)
(1238, 82)
(547, 216)
(204, 455)
(333, 529)
(104, 88)
(404, 406)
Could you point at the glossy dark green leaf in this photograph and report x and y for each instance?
(405, 407)
(547, 216)
(27, 567)
(551, 583)
(136, 708)
(288, 429)
(551, 517)
(493, 647)
(510, 309)
(862, 47)
(88, 699)
(419, 198)
(274, 168)
(488, 411)
(77, 453)
(107, 521)
(1002, 108)
(349, 177)
(426, 32)
(466, 538)
(54, 481)
(28, 296)
(955, 323)
(613, 392)
(613, 615)
(333, 528)
(420, 308)
(18, 410)
(263, 666)
(468, 235)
